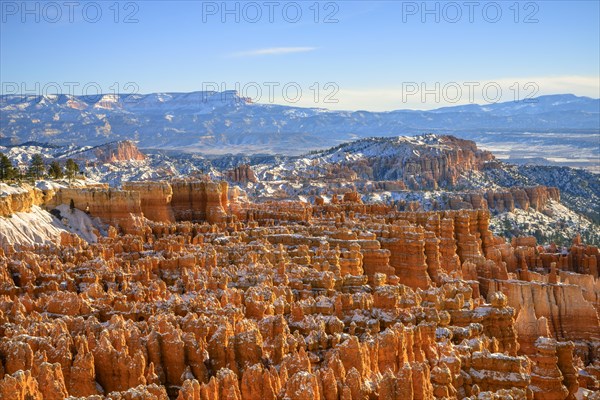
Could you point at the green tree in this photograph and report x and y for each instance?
(55, 170)
(37, 168)
(72, 168)
(7, 171)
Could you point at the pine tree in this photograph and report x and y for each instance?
(55, 170)
(72, 168)
(37, 166)
(7, 171)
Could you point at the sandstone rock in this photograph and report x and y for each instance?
(155, 199)
(125, 150)
(18, 199)
(199, 201)
(241, 174)
(116, 207)
(291, 300)
(546, 378)
(20, 386)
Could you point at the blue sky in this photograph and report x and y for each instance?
(354, 54)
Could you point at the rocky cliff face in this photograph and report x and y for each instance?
(119, 208)
(18, 199)
(565, 312)
(125, 150)
(241, 174)
(199, 200)
(536, 197)
(422, 162)
(155, 199)
(126, 209)
(22, 221)
(339, 300)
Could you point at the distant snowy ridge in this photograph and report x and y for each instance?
(224, 122)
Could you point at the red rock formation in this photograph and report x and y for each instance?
(292, 300)
(546, 378)
(125, 150)
(241, 174)
(501, 201)
(539, 196)
(18, 199)
(568, 316)
(406, 244)
(199, 201)
(444, 167)
(20, 386)
(566, 364)
(506, 200)
(119, 208)
(155, 199)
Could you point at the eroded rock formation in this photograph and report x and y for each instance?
(287, 300)
(535, 197)
(155, 199)
(18, 199)
(120, 208)
(241, 174)
(125, 150)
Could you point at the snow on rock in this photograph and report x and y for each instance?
(80, 223)
(29, 228)
(6, 190)
(38, 226)
(557, 223)
(49, 185)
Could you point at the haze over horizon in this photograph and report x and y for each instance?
(129, 97)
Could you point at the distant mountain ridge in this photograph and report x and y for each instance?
(224, 122)
(537, 105)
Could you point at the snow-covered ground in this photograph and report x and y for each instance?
(37, 226)
(557, 224)
(40, 226)
(360, 165)
(80, 223)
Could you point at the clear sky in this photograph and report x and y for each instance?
(373, 55)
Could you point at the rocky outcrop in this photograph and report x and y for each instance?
(241, 174)
(539, 195)
(125, 150)
(546, 378)
(20, 386)
(120, 208)
(566, 314)
(271, 212)
(566, 365)
(338, 300)
(536, 197)
(506, 200)
(430, 167)
(199, 200)
(125, 209)
(155, 199)
(414, 163)
(24, 223)
(18, 199)
(406, 244)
